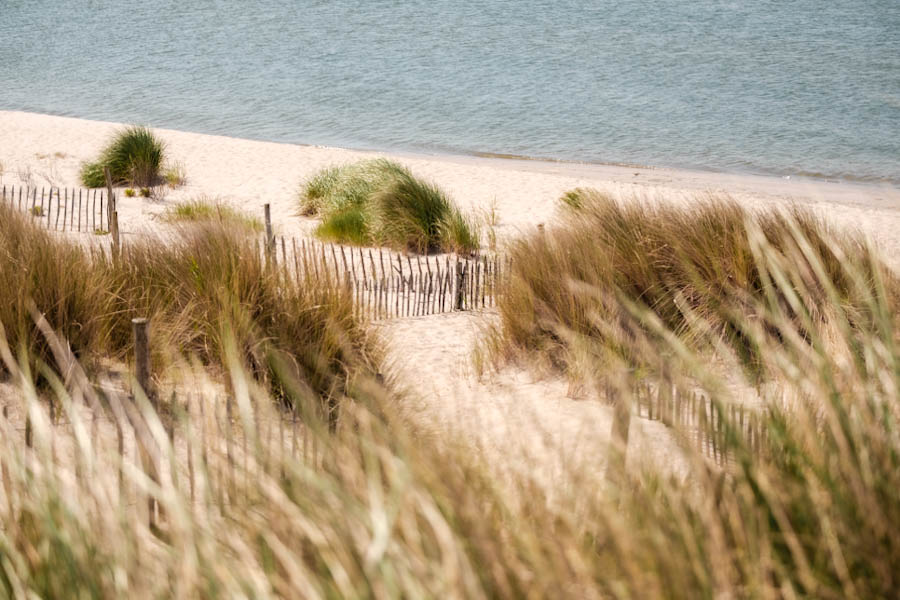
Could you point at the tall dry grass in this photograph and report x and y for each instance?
(190, 285)
(381, 513)
(684, 262)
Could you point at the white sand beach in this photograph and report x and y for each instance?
(249, 173)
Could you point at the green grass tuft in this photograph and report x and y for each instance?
(381, 202)
(348, 226)
(206, 210)
(175, 175)
(134, 157)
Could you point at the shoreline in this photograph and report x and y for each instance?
(522, 191)
(425, 152)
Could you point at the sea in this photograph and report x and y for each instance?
(781, 87)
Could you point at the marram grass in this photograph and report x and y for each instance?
(134, 157)
(190, 285)
(697, 261)
(381, 202)
(378, 510)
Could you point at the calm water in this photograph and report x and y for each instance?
(774, 86)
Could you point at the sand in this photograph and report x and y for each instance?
(432, 352)
(250, 173)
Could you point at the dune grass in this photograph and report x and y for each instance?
(380, 202)
(175, 175)
(697, 262)
(204, 209)
(134, 157)
(382, 514)
(190, 286)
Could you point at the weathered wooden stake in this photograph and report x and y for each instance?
(113, 215)
(270, 237)
(141, 329)
(4, 469)
(615, 469)
(460, 285)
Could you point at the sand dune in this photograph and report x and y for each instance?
(432, 351)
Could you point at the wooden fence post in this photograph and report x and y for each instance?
(141, 329)
(615, 468)
(460, 285)
(270, 238)
(4, 469)
(112, 217)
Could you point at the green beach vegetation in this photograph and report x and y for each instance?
(386, 509)
(175, 175)
(380, 202)
(203, 209)
(134, 157)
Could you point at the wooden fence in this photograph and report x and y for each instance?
(383, 284)
(386, 284)
(706, 423)
(61, 209)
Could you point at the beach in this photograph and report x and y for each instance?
(649, 405)
(434, 353)
(250, 173)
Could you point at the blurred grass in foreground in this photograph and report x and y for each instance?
(381, 512)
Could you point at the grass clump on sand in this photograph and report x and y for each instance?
(381, 202)
(207, 210)
(175, 175)
(134, 157)
(808, 510)
(685, 263)
(194, 286)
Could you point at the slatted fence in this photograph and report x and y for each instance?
(386, 284)
(706, 423)
(383, 284)
(61, 209)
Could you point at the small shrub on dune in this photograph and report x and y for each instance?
(335, 189)
(134, 157)
(410, 213)
(381, 202)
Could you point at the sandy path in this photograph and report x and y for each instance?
(528, 425)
